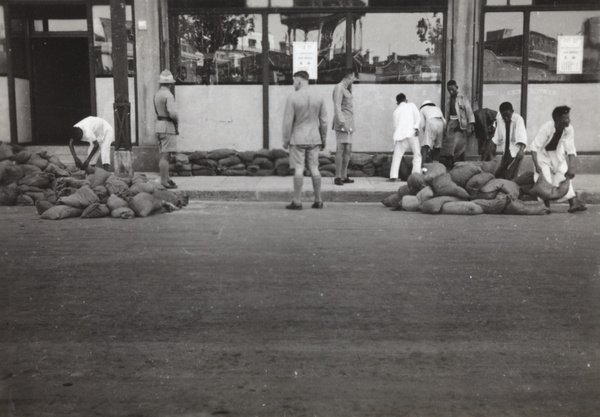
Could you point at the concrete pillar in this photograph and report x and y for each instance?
(148, 67)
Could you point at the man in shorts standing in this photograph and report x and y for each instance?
(305, 134)
(167, 125)
(461, 124)
(343, 124)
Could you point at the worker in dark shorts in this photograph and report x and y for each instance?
(343, 124)
(461, 124)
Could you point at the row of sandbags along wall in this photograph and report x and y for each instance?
(265, 162)
(471, 188)
(59, 192)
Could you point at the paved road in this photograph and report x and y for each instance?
(247, 309)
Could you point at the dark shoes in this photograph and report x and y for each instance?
(338, 181)
(348, 180)
(170, 185)
(391, 180)
(294, 206)
(317, 205)
(577, 206)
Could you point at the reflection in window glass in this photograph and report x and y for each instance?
(521, 2)
(103, 40)
(319, 3)
(497, 2)
(503, 47)
(546, 27)
(17, 46)
(327, 29)
(67, 25)
(398, 47)
(218, 49)
(3, 68)
(257, 3)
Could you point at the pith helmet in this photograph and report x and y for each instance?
(166, 77)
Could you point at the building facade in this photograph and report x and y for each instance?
(233, 61)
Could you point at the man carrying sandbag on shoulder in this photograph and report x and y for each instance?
(553, 153)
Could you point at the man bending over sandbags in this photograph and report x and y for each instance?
(99, 134)
(553, 153)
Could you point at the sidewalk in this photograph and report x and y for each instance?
(275, 188)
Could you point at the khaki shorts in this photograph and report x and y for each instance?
(301, 153)
(167, 142)
(342, 136)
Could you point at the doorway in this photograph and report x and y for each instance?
(61, 87)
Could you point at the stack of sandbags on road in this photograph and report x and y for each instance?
(470, 189)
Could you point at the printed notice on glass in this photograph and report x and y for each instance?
(306, 58)
(570, 55)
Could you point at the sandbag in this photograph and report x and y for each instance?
(415, 182)
(114, 202)
(197, 156)
(6, 151)
(410, 203)
(83, 198)
(269, 172)
(36, 195)
(444, 186)
(230, 161)
(95, 211)
(42, 206)
(115, 186)
(181, 159)
(220, 154)
(141, 187)
(210, 164)
(493, 206)
(477, 181)
(64, 192)
(392, 201)
(433, 170)
(8, 195)
(499, 184)
(30, 169)
(24, 200)
(170, 197)
(122, 213)
(69, 182)
(102, 193)
(463, 173)
(12, 174)
(50, 196)
(204, 172)
(61, 212)
(461, 207)
(403, 190)
(266, 163)
(530, 208)
(328, 167)
(275, 154)
(547, 192)
(247, 156)
(4, 165)
(22, 157)
(56, 170)
(425, 194)
(144, 204)
(434, 205)
(98, 178)
(525, 179)
(38, 161)
(40, 180)
(56, 161)
(369, 170)
(139, 178)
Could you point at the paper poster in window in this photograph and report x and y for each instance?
(306, 58)
(570, 55)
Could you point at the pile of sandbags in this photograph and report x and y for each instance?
(60, 192)
(471, 188)
(265, 162)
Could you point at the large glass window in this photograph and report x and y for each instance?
(328, 30)
(103, 41)
(3, 68)
(503, 47)
(398, 47)
(218, 49)
(546, 30)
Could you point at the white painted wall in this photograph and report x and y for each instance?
(105, 98)
(23, 103)
(4, 112)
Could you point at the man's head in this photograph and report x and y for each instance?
(452, 88)
(76, 133)
(506, 111)
(349, 76)
(300, 79)
(400, 98)
(166, 78)
(561, 116)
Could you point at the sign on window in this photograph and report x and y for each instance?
(306, 58)
(570, 55)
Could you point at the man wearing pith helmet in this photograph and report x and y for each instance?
(167, 125)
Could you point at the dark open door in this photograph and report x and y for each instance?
(61, 87)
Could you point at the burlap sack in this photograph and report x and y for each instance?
(122, 213)
(410, 203)
(42, 206)
(40, 180)
(494, 206)
(392, 200)
(141, 187)
(12, 174)
(444, 186)
(433, 170)
(50, 195)
(6, 151)
(220, 154)
(477, 181)
(32, 169)
(230, 161)
(83, 198)
(197, 156)
(24, 200)
(530, 208)
(425, 194)
(461, 207)
(403, 190)
(434, 205)
(22, 157)
(463, 173)
(56, 161)
(61, 212)
(95, 211)
(416, 182)
(98, 178)
(525, 179)
(275, 154)
(56, 170)
(114, 202)
(4, 165)
(547, 192)
(115, 186)
(144, 204)
(247, 156)
(139, 178)
(38, 161)
(499, 184)
(102, 193)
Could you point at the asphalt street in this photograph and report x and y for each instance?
(248, 309)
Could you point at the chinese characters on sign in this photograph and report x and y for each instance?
(570, 55)
(306, 58)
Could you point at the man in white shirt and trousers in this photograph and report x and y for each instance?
(99, 134)
(406, 135)
(511, 136)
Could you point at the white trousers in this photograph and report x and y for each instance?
(554, 170)
(104, 151)
(400, 147)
